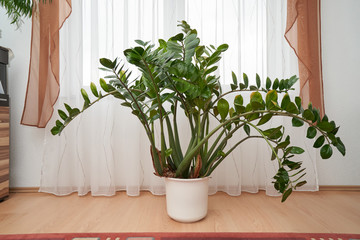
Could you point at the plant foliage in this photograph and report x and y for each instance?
(16, 9)
(179, 75)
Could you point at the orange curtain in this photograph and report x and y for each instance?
(303, 35)
(43, 80)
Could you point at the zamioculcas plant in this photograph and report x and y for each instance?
(179, 75)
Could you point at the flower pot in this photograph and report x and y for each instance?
(187, 199)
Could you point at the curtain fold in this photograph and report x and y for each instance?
(43, 80)
(105, 149)
(303, 34)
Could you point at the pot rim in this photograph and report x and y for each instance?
(186, 179)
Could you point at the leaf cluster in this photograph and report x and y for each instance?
(180, 75)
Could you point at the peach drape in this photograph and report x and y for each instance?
(43, 80)
(303, 35)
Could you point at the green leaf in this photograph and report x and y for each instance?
(62, 114)
(178, 37)
(223, 47)
(107, 63)
(285, 101)
(223, 108)
(298, 102)
(247, 129)
(55, 130)
(268, 83)
(162, 43)
(340, 146)
(271, 96)
(104, 85)
(234, 78)
(326, 151)
(246, 80)
(319, 142)
(58, 123)
(325, 126)
(273, 133)
(281, 85)
(276, 84)
(258, 81)
(238, 101)
(74, 112)
(299, 184)
(296, 150)
(242, 86)
(168, 152)
(256, 97)
(308, 115)
(286, 195)
(85, 95)
(311, 132)
(68, 108)
(233, 87)
(210, 70)
(292, 81)
(291, 108)
(264, 119)
(297, 122)
(94, 89)
(126, 104)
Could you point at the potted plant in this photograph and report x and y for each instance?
(177, 78)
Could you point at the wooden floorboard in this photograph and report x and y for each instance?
(324, 211)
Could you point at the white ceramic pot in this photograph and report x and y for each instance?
(187, 199)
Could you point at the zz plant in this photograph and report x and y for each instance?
(179, 75)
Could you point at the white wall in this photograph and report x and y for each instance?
(341, 65)
(341, 51)
(25, 142)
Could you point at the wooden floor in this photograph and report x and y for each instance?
(325, 211)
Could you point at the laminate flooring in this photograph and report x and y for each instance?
(324, 211)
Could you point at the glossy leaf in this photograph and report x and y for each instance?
(311, 132)
(325, 126)
(104, 85)
(299, 184)
(62, 114)
(268, 83)
(286, 195)
(258, 81)
(264, 119)
(223, 108)
(296, 150)
(247, 129)
(291, 108)
(234, 78)
(276, 84)
(223, 47)
(107, 63)
(94, 89)
(326, 151)
(319, 142)
(285, 101)
(246, 80)
(298, 102)
(308, 115)
(85, 95)
(297, 122)
(340, 146)
(271, 96)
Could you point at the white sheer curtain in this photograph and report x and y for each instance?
(105, 149)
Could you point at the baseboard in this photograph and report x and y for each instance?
(321, 188)
(339, 187)
(24, 190)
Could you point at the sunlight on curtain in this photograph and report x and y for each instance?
(105, 149)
